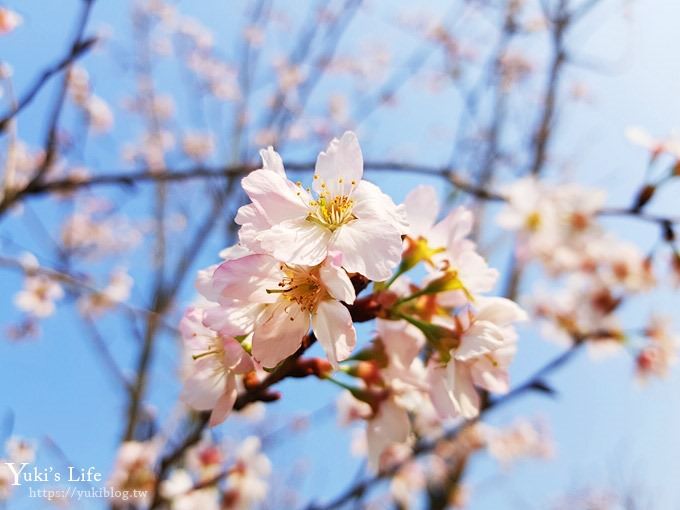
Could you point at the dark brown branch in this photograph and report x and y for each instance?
(203, 172)
(542, 134)
(78, 46)
(76, 52)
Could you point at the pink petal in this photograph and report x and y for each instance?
(274, 195)
(247, 279)
(225, 403)
(337, 282)
(333, 327)
(233, 320)
(341, 160)
(297, 242)
(277, 336)
(252, 221)
(369, 247)
(271, 160)
(452, 392)
(422, 207)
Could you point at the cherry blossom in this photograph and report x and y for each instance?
(178, 488)
(247, 480)
(279, 302)
(349, 215)
(9, 20)
(661, 352)
(452, 258)
(216, 361)
(480, 359)
(117, 291)
(39, 295)
(133, 469)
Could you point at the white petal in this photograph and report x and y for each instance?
(390, 426)
(225, 403)
(369, 247)
(371, 203)
(271, 160)
(452, 231)
(274, 195)
(297, 242)
(341, 160)
(481, 338)
(277, 336)
(422, 207)
(247, 279)
(500, 311)
(336, 281)
(203, 388)
(452, 391)
(252, 221)
(333, 327)
(490, 377)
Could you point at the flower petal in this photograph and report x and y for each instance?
(333, 327)
(297, 242)
(422, 207)
(500, 311)
(371, 203)
(390, 426)
(336, 281)
(279, 333)
(203, 387)
(369, 247)
(274, 195)
(271, 160)
(452, 391)
(252, 221)
(481, 338)
(247, 279)
(341, 160)
(225, 403)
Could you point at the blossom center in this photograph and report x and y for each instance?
(333, 207)
(300, 287)
(215, 348)
(533, 221)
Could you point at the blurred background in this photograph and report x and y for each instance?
(197, 88)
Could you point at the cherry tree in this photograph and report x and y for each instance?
(274, 215)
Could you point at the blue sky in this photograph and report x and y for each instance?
(608, 430)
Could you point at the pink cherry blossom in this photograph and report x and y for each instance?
(278, 303)
(9, 20)
(216, 361)
(445, 246)
(247, 480)
(390, 426)
(481, 359)
(661, 352)
(347, 215)
(39, 295)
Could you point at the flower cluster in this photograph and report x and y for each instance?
(213, 476)
(303, 255)
(560, 228)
